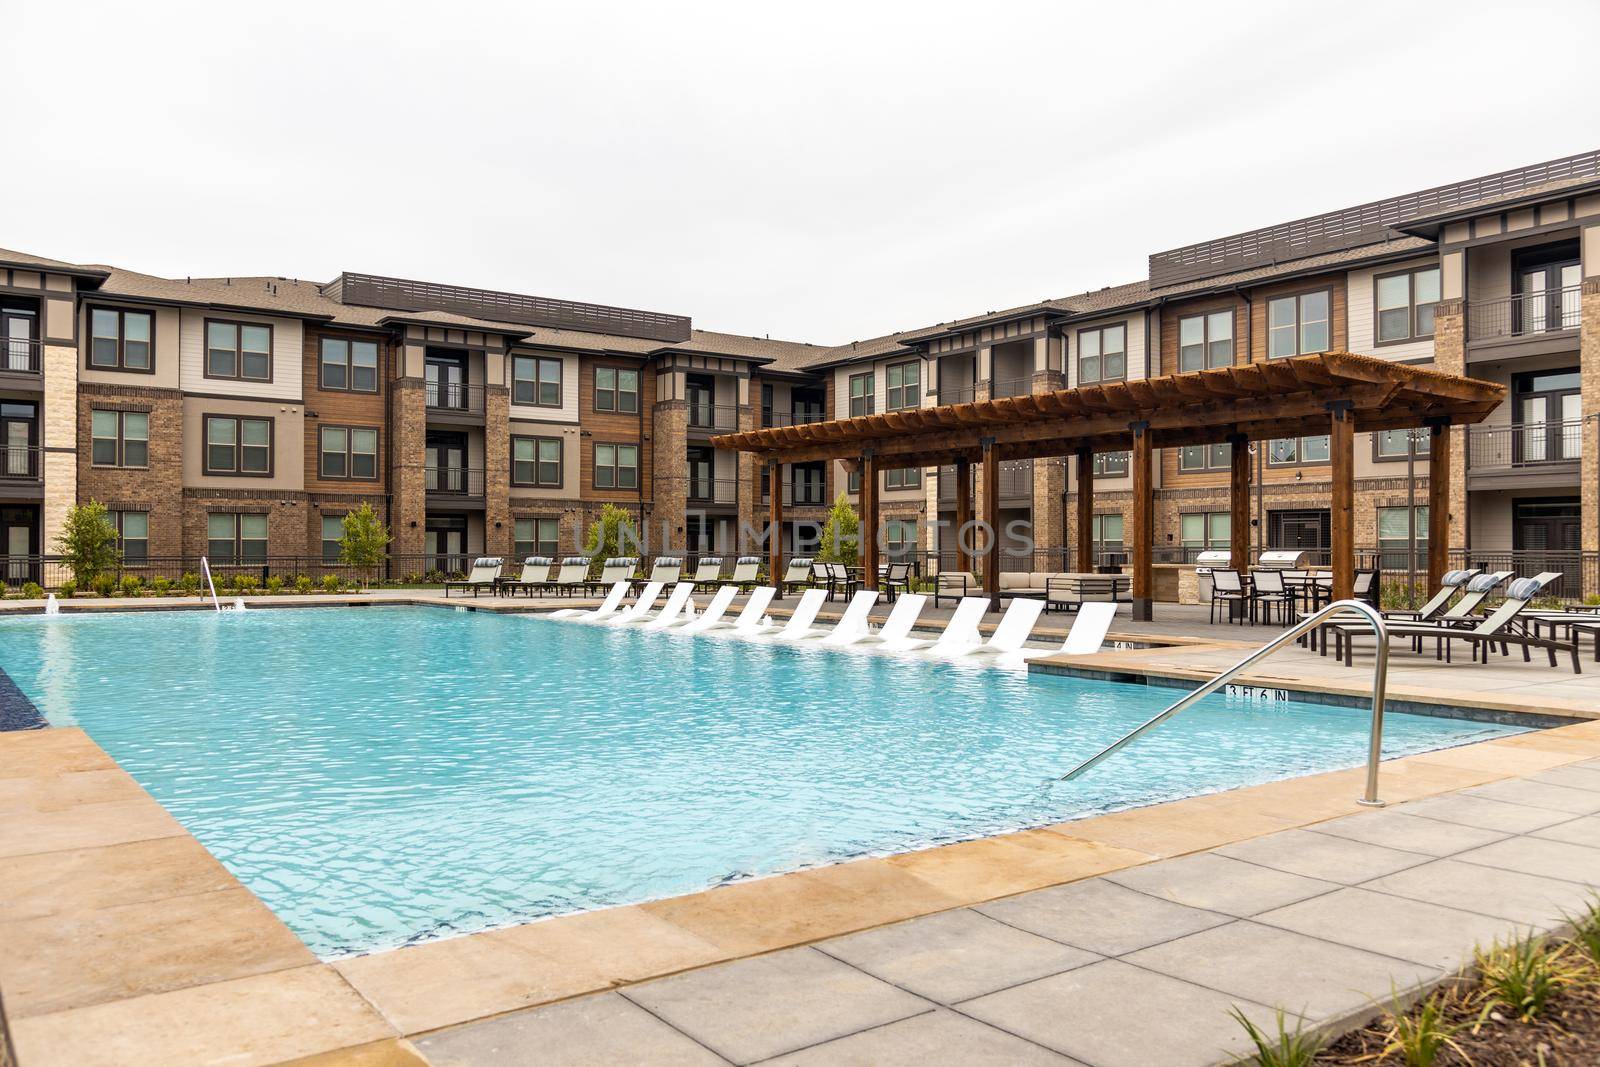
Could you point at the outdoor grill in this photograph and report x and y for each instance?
(1283, 559)
(1206, 562)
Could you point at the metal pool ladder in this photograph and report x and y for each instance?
(1380, 673)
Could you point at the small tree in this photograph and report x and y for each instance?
(607, 537)
(841, 533)
(88, 543)
(364, 541)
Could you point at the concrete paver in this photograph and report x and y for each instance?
(933, 1037)
(1541, 795)
(1412, 930)
(1533, 855)
(1407, 833)
(1526, 899)
(1217, 883)
(1486, 814)
(1101, 916)
(1332, 859)
(607, 1028)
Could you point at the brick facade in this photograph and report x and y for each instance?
(158, 487)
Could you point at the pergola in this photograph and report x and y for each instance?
(1296, 397)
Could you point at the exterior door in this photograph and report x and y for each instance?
(701, 484)
(444, 539)
(18, 456)
(445, 381)
(1548, 412)
(446, 463)
(701, 392)
(1547, 286)
(1307, 531)
(19, 543)
(1548, 534)
(18, 331)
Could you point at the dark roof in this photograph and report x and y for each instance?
(27, 261)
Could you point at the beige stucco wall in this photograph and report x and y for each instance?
(288, 441)
(165, 357)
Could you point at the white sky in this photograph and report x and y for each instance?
(820, 172)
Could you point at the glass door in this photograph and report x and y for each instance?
(446, 463)
(701, 392)
(18, 457)
(444, 539)
(19, 542)
(1548, 412)
(18, 332)
(445, 381)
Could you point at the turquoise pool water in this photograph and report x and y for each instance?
(385, 775)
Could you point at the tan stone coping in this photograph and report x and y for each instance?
(122, 940)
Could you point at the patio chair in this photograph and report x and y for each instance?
(707, 572)
(679, 609)
(1010, 635)
(485, 574)
(953, 585)
(615, 569)
(1087, 636)
(1458, 614)
(853, 623)
(746, 571)
(1448, 585)
(571, 576)
(895, 630)
(665, 569)
(714, 611)
(640, 608)
(797, 576)
(1227, 587)
(1497, 628)
(752, 619)
(1266, 591)
(535, 576)
(608, 607)
(894, 579)
(799, 627)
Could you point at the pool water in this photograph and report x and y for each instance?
(385, 775)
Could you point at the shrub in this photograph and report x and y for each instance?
(246, 583)
(32, 591)
(414, 578)
(66, 589)
(611, 535)
(364, 541)
(1586, 930)
(1418, 1037)
(5, 589)
(274, 585)
(841, 534)
(88, 543)
(1295, 1048)
(436, 576)
(1592, 600)
(161, 586)
(189, 583)
(1523, 976)
(132, 585)
(103, 584)
(330, 583)
(303, 584)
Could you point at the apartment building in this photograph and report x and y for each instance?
(241, 418)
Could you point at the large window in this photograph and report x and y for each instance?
(902, 477)
(616, 466)
(537, 461)
(1291, 451)
(536, 537)
(348, 452)
(860, 394)
(1201, 530)
(536, 381)
(904, 381)
(1107, 532)
(332, 536)
(238, 350)
(351, 366)
(1103, 354)
(1394, 538)
(133, 534)
(120, 438)
(616, 389)
(900, 538)
(1395, 444)
(1299, 325)
(1110, 464)
(1217, 457)
(1405, 304)
(1205, 341)
(236, 537)
(121, 340)
(237, 445)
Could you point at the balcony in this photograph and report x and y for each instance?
(19, 356)
(454, 483)
(462, 399)
(790, 418)
(705, 492)
(1532, 455)
(1016, 483)
(713, 418)
(1544, 314)
(21, 466)
(798, 494)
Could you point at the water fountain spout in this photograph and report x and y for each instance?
(50, 605)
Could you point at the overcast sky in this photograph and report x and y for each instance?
(819, 172)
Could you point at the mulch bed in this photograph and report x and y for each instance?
(1567, 1035)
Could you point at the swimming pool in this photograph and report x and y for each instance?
(382, 775)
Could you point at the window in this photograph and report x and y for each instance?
(235, 537)
(237, 445)
(1393, 444)
(616, 389)
(902, 478)
(537, 461)
(121, 339)
(1200, 530)
(852, 481)
(238, 350)
(1107, 531)
(536, 380)
(1205, 341)
(332, 535)
(616, 466)
(900, 539)
(1103, 354)
(1289, 451)
(348, 452)
(1394, 538)
(1298, 325)
(1218, 457)
(120, 438)
(349, 365)
(1110, 464)
(536, 537)
(905, 385)
(1406, 303)
(860, 394)
(133, 535)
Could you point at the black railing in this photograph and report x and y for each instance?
(1016, 481)
(799, 494)
(956, 394)
(455, 481)
(1526, 445)
(714, 417)
(1011, 387)
(465, 398)
(1580, 571)
(712, 490)
(21, 356)
(21, 463)
(791, 418)
(1526, 314)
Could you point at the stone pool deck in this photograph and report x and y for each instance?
(1117, 939)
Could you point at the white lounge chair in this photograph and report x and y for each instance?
(640, 608)
(679, 608)
(1011, 634)
(752, 619)
(609, 606)
(960, 632)
(707, 571)
(665, 569)
(799, 627)
(853, 625)
(572, 575)
(485, 574)
(746, 571)
(712, 616)
(1088, 633)
(895, 628)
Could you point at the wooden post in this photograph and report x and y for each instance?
(1085, 559)
(1239, 504)
(868, 533)
(1342, 452)
(963, 513)
(775, 526)
(991, 520)
(1143, 524)
(1438, 505)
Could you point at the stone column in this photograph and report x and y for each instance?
(1450, 356)
(60, 441)
(670, 484)
(748, 471)
(408, 439)
(497, 541)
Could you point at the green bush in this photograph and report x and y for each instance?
(1592, 600)
(1286, 1048)
(88, 543)
(1522, 977)
(303, 584)
(161, 586)
(330, 583)
(246, 583)
(132, 585)
(274, 585)
(4, 589)
(103, 584)
(189, 584)
(32, 591)
(66, 589)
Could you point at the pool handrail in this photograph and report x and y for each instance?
(1380, 676)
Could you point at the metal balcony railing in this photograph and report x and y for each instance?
(21, 463)
(1016, 480)
(1011, 387)
(19, 356)
(1526, 314)
(458, 397)
(799, 494)
(1527, 445)
(456, 481)
(719, 418)
(712, 490)
(791, 418)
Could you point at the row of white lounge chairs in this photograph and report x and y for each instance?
(960, 637)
